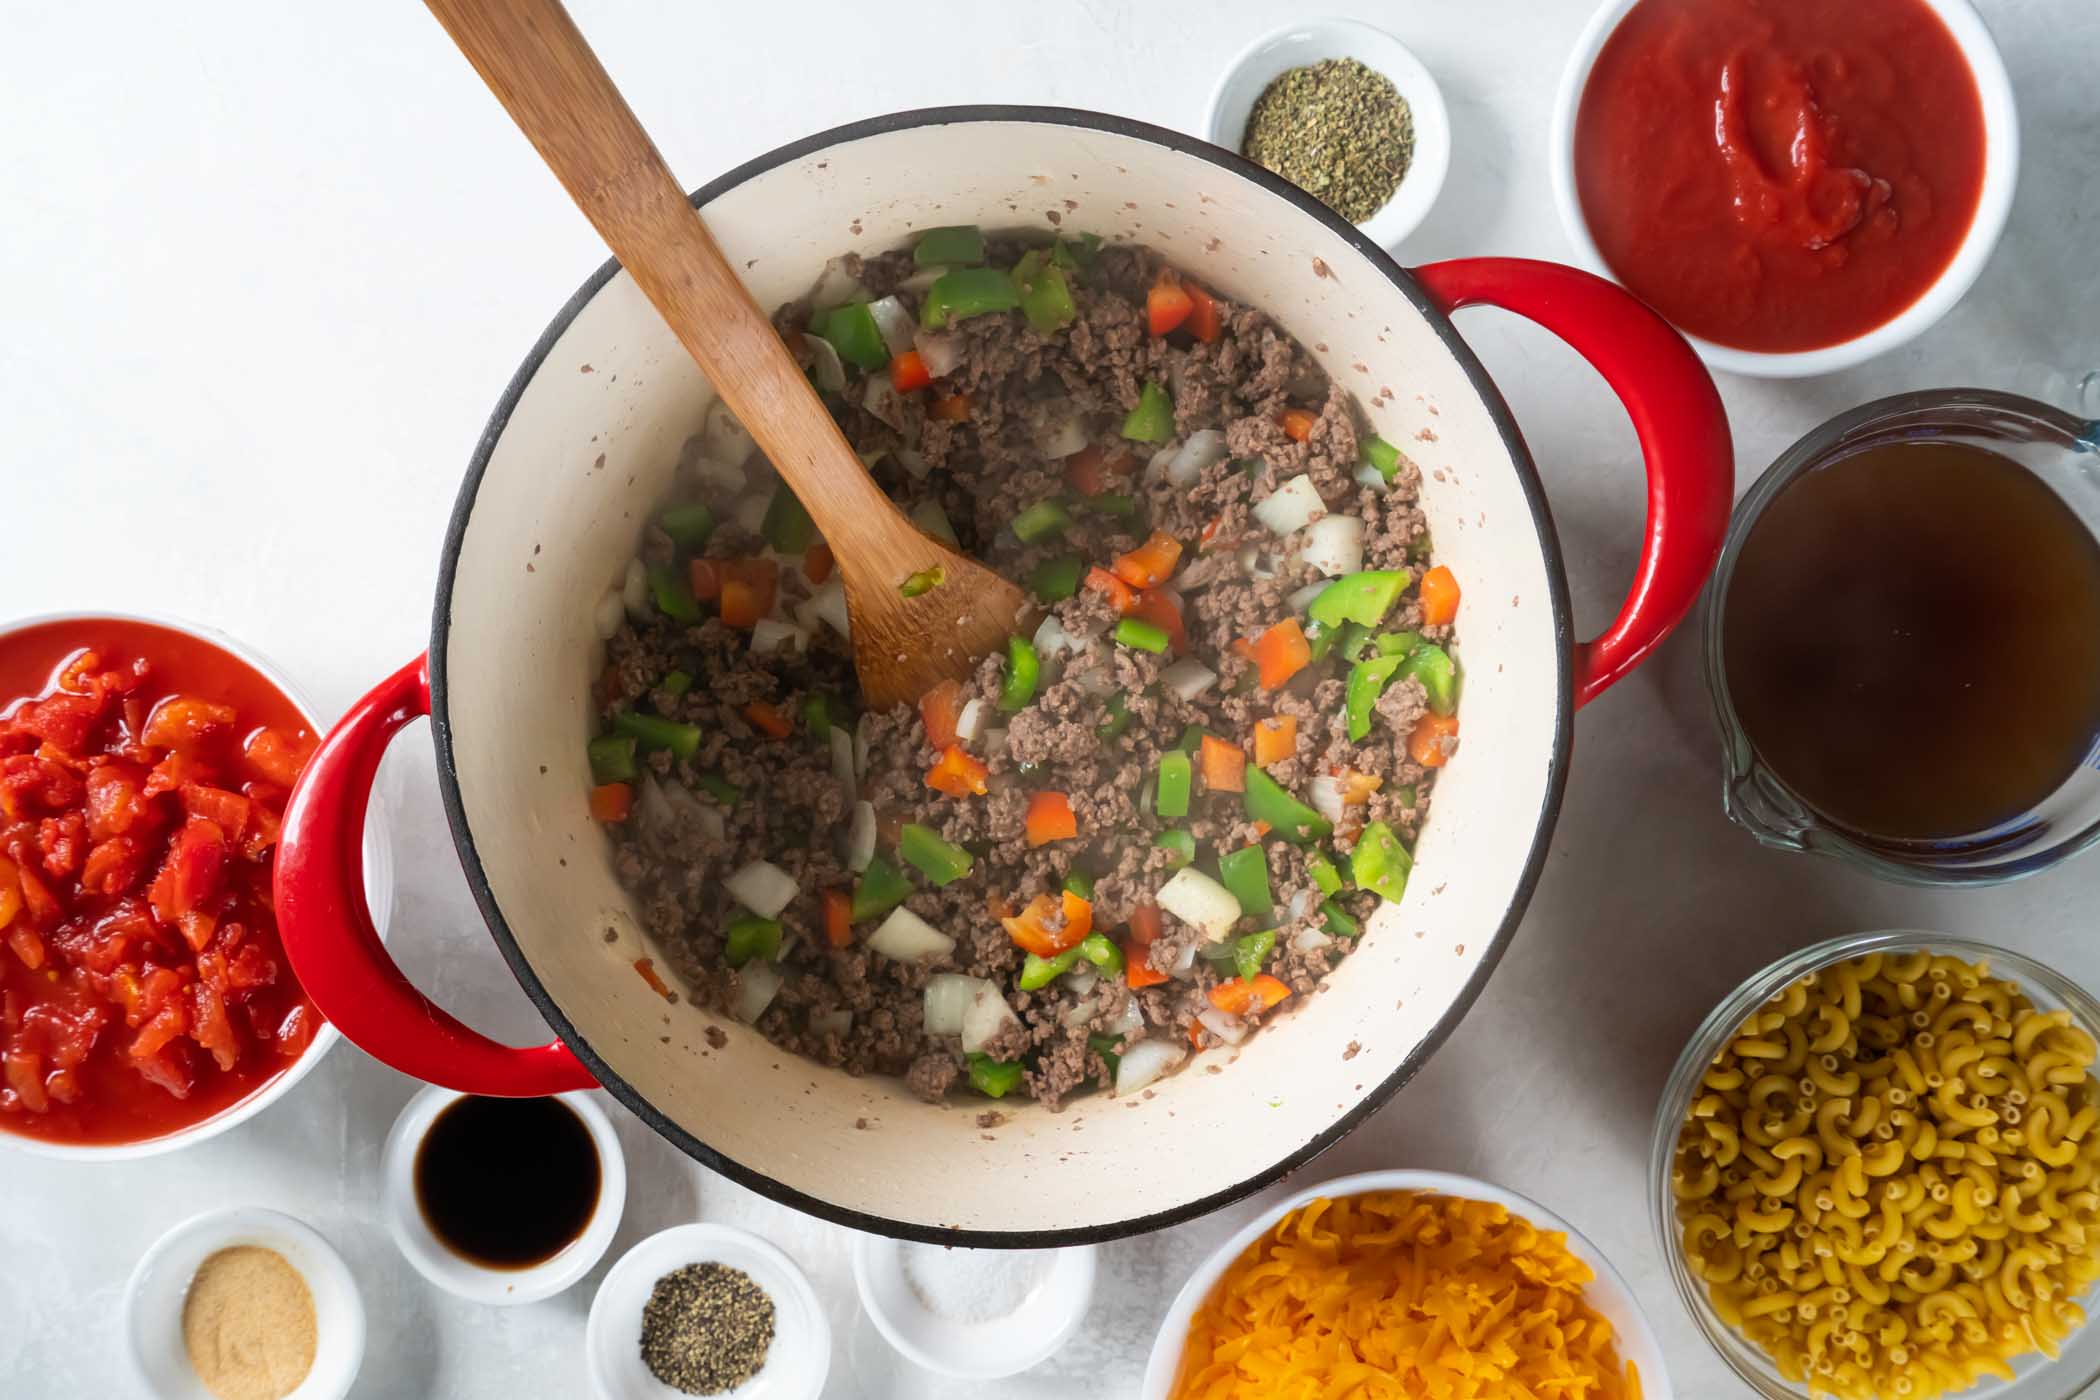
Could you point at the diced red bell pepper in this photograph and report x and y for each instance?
(1224, 765)
(1092, 470)
(838, 918)
(1242, 995)
(1204, 322)
(768, 720)
(1121, 596)
(1298, 423)
(1049, 818)
(1167, 304)
(908, 372)
(1032, 929)
(1281, 652)
(705, 578)
(1151, 563)
(1439, 589)
(939, 710)
(818, 561)
(611, 802)
(645, 968)
(950, 408)
(1163, 610)
(957, 774)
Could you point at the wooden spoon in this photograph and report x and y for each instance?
(532, 57)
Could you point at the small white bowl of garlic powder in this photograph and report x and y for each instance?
(975, 1313)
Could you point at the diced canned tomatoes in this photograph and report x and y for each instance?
(143, 777)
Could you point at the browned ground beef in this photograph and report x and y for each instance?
(983, 472)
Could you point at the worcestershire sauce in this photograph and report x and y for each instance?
(507, 1183)
(1911, 639)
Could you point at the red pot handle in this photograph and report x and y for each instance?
(1676, 411)
(327, 928)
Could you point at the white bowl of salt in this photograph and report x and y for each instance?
(975, 1313)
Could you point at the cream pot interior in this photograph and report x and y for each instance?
(587, 440)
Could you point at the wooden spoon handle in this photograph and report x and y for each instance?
(533, 58)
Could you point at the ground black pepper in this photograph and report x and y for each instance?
(1338, 130)
(706, 1329)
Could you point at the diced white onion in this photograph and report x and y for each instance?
(1062, 440)
(836, 287)
(1325, 794)
(986, 1018)
(1255, 565)
(724, 437)
(826, 368)
(881, 398)
(842, 762)
(1305, 940)
(913, 461)
(634, 589)
(969, 725)
(826, 605)
(1131, 1019)
(831, 1022)
(1225, 1026)
(1204, 449)
(770, 635)
(1300, 903)
(712, 823)
(860, 837)
(762, 887)
(923, 279)
(1334, 545)
(1303, 598)
(1156, 466)
(948, 995)
(932, 520)
(994, 744)
(1188, 678)
(1291, 506)
(1368, 475)
(941, 350)
(757, 983)
(721, 478)
(906, 937)
(750, 513)
(894, 322)
(1081, 979)
(1144, 1063)
(862, 733)
(609, 614)
(1194, 898)
(1051, 637)
(1080, 1014)
(1093, 679)
(652, 810)
(1184, 965)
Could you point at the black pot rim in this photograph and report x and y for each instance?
(1549, 809)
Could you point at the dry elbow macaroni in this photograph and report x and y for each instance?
(1889, 1181)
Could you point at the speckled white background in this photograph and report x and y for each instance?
(263, 270)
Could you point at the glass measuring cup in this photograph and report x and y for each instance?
(2061, 450)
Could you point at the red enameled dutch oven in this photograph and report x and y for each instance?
(587, 437)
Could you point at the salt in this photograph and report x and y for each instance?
(973, 1285)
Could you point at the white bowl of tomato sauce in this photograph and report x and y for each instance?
(145, 1000)
(1797, 188)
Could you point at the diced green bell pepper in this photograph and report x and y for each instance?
(1076, 254)
(924, 581)
(1023, 670)
(720, 789)
(1349, 647)
(1251, 951)
(852, 331)
(1081, 883)
(956, 244)
(1181, 843)
(1380, 863)
(1431, 665)
(1118, 719)
(674, 598)
(1153, 418)
(1191, 738)
(1396, 643)
(1055, 580)
(994, 1079)
(818, 716)
(675, 682)
(612, 758)
(1170, 794)
(787, 526)
(1119, 504)
(688, 525)
(881, 888)
(1105, 1047)
(1245, 873)
(1142, 635)
(1340, 922)
(967, 292)
(1038, 972)
(1041, 519)
(1365, 598)
(1383, 455)
(940, 861)
(1046, 298)
(1097, 949)
(1324, 874)
(1321, 638)
(749, 936)
(655, 732)
(1367, 681)
(1266, 800)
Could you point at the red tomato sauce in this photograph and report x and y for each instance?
(1779, 175)
(143, 774)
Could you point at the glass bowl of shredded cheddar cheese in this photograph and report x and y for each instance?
(1406, 1285)
(1877, 1175)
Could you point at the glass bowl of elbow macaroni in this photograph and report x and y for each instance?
(1876, 1175)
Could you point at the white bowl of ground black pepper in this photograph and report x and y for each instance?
(1344, 111)
(706, 1310)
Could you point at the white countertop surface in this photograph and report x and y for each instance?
(265, 269)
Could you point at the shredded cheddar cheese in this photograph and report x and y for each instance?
(1400, 1296)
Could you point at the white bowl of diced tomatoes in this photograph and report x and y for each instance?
(145, 1001)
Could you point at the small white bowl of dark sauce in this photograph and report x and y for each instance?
(503, 1201)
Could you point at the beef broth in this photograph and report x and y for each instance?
(1911, 640)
